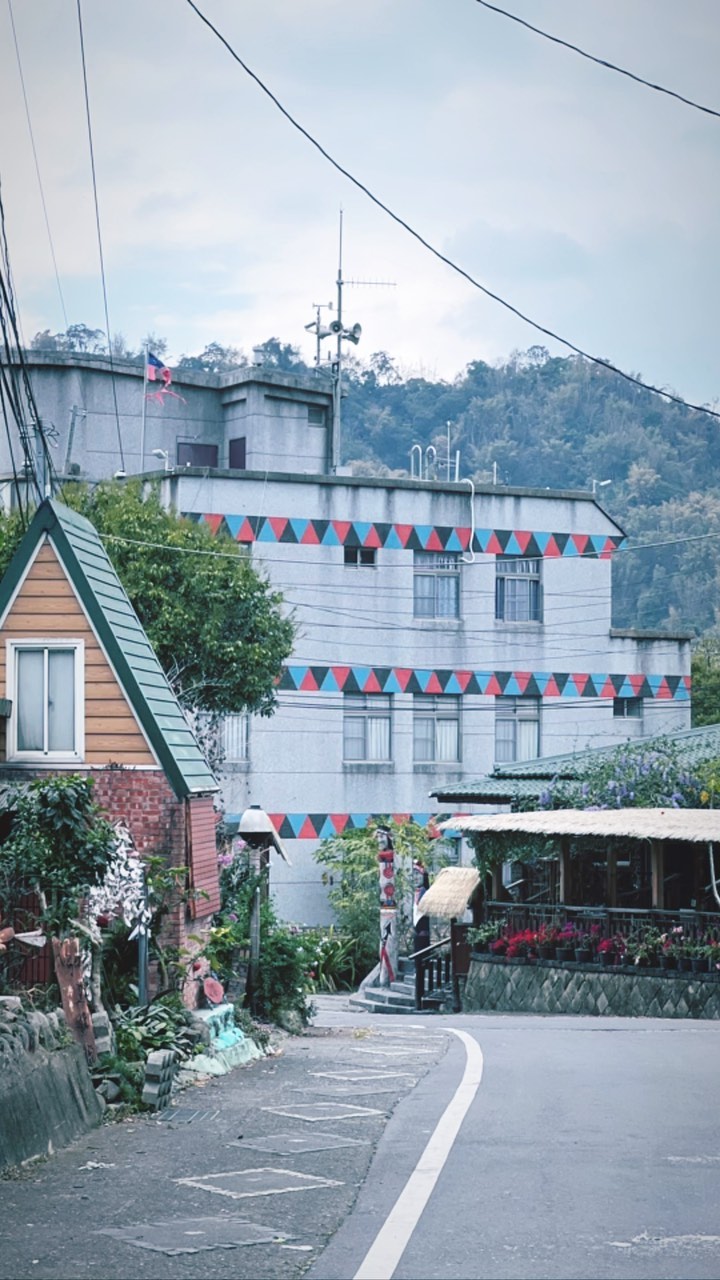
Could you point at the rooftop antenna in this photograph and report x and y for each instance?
(342, 334)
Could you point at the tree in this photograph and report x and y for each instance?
(352, 876)
(706, 681)
(214, 359)
(215, 624)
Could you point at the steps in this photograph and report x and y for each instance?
(399, 997)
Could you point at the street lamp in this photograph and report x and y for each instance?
(164, 455)
(259, 834)
(599, 484)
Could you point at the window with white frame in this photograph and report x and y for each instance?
(46, 679)
(518, 592)
(517, 729)
(436, 728)
(367, 721)
(436, 584)
(235, 737)
(628, 708)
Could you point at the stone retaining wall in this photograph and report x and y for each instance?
(545, 987)
(46, 1095)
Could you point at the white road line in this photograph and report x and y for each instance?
(392, 1239)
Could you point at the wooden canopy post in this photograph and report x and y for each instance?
(564, 861)
(657, 872)
(611, 881)
(497, 882)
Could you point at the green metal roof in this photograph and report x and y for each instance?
(530, 777)
(123, 638)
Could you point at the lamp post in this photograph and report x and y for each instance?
(164, 455)
(260, 835)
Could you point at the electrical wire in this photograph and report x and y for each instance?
(37, 165)
(489, 293)
(98, 231)
(601, 62)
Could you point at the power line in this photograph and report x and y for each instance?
(99, 234)
(601, 62)
(37, 165)
(549, 333)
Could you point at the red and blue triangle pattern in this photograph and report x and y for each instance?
(319, 826)
(515, 684)
(306, 531)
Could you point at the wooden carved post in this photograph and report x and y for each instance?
(68, 970)
(388, 910)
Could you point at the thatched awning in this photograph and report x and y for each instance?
(450, 893)
(697, 825)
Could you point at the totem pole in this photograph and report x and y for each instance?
(388, 912)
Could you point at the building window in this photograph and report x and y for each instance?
(518, 594)
(437, 584)
(237, 454)
(517, 729)
(366, 727)
(436, 728)
(47, 692)
(316, 415)
(628, 708)
(191, 454)
(235, 734)
(360, 555)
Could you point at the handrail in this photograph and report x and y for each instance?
(434, 946)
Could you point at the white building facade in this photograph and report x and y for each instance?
(440, 629)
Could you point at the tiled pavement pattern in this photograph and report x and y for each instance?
(548, 989)
(140, 1198)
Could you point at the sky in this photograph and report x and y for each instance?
(587, 201)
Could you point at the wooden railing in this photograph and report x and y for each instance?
(609, 921)
(443, 964)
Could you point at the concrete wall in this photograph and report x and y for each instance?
(77, 395)
(46, 1095)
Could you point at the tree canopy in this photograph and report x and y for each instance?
(214, 622)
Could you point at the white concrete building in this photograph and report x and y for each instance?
(438, 631)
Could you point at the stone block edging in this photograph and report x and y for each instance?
(587, 990)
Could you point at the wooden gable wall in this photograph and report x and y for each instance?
(47, 607)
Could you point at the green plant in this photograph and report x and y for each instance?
(484, 935)
(330, 956)
(142, 1029)
(254, 1030)
(282, 978)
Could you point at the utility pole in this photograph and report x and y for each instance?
(337, 327)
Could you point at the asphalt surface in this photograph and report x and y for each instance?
(168, 1181)
(589, 1148)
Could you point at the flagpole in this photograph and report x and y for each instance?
(144, 408)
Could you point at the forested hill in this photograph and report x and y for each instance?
(560, 423)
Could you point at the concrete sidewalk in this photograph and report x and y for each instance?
(249, 1175)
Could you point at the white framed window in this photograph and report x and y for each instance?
(517, 729)
(46, 680)
(364, 556)
(628, 708)
(436, 584)
(518, 593)
(236, 737)
(367, 725)
(436, 728)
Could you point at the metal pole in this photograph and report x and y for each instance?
(144, 408)
(143, 956)
(337, 399)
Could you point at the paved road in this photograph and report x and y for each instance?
(523, 1147)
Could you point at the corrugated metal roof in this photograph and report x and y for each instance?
(695, 825)
(121, 634)
(529, 777)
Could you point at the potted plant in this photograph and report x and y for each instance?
(667, 955)
(482, 937)
(546, 940)
(712, 950)
(565, 944)
(607, 951)
(583, 948)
